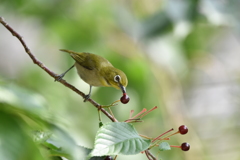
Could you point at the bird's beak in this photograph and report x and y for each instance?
(122, 88)
(124, 99)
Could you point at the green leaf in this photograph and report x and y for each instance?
(118, 138)
(22, 98)
(59, 153)
(15, 143)
(88, 150)
(164, 146)
(40, 136)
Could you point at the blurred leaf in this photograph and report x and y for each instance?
(14, 140)
(193, 11)
(20, 114)
(118, 138)
(65, 145)
(86, 152)
(22, 98)
(59, 153)
(156, 25)
(40, 136)
(198, 41)
(183, 10)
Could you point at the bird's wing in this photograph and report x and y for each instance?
(88, 60)
(84, 60)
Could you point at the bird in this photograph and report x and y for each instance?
(97, 71)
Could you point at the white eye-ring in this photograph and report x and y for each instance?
(117, 78)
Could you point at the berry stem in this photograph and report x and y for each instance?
(131, 113)
(172, 134)
(146, 137)
(175, 146)
(140, 113)
(148, 111)
(133, 120)
(162, 135)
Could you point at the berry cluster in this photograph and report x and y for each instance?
(182, 130)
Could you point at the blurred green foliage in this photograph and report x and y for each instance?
(156, 43)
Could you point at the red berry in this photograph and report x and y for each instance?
(185, 146)
(183, 129)
(125, 99)
(108, 158)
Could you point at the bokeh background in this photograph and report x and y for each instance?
(180, 55)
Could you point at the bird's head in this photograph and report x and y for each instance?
(116, 78)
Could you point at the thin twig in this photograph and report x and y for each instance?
(51, 73)
(149, 155)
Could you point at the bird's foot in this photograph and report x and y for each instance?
(86, 98)
(59, 77)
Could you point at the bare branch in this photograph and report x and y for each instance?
(51, 73)
(149, 155)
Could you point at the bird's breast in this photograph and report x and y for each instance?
(91, 77)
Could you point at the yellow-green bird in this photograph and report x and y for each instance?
(97, 71)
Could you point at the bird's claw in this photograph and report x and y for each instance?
(59, 77)
(86, 98)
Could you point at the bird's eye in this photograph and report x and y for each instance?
(117, 78)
